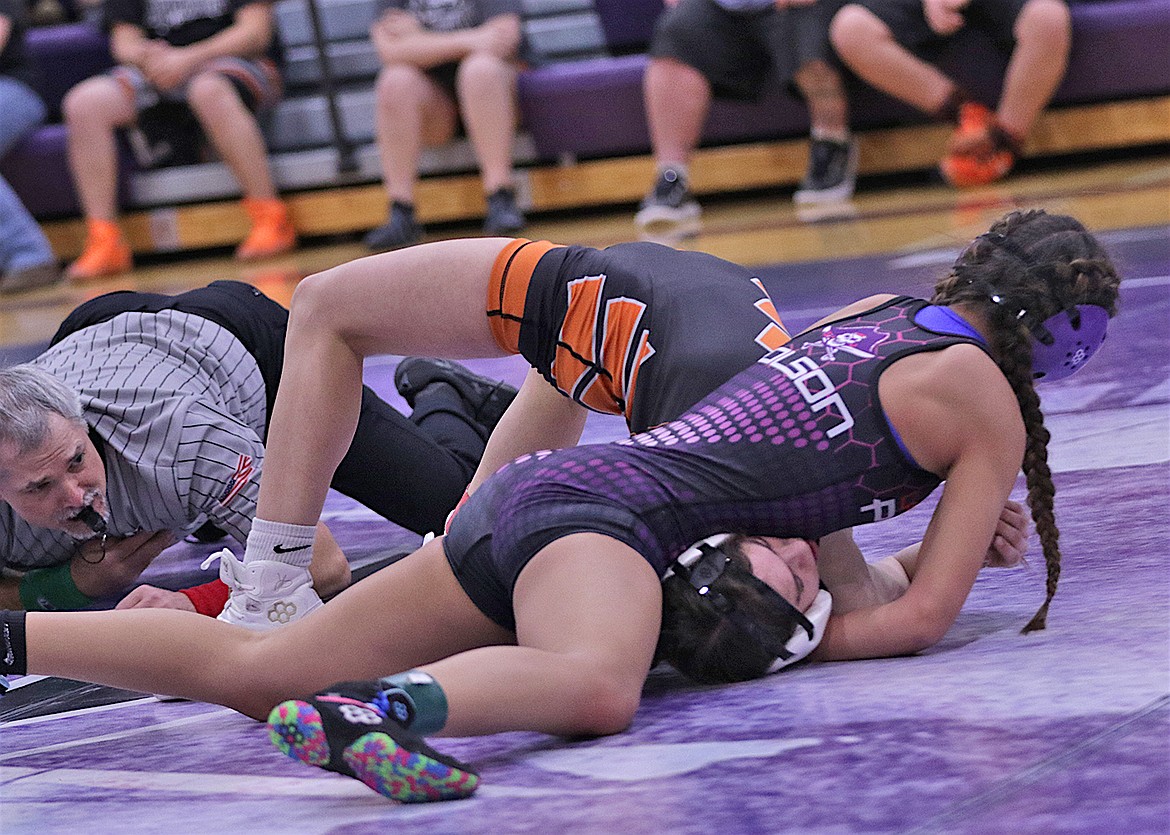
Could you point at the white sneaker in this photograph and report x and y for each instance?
(265, 594)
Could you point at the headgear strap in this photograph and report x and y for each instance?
(704, 563)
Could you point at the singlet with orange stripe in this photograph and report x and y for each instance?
(636, 329)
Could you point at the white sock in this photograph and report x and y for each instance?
(841, 135)
(280, 542)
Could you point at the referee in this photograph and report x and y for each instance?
(146, 418)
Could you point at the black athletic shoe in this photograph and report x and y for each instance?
(206, 534)
(485, 398)
(669, 209)
(346, 729)
(832, 172)
(398, 231)
(503, 218)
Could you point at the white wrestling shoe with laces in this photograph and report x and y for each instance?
(265, 594)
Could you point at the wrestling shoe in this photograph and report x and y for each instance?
(832, 172)
(264, 594)
(486, 399)
(348, 729)
(669, 210)
(980, 151)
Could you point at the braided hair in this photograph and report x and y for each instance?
(1028, 267)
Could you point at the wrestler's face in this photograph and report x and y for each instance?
(789, 566)
(49, 485)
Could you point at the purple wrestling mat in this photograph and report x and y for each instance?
(1066, 730)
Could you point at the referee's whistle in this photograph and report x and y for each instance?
(91, 518)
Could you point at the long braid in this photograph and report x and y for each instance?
(1014, 346)
(1028, 267)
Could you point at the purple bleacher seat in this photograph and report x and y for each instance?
(1119, 50)
(627, 24)
(594, 108)
(38, 167)
(37, 170)
(65, 55)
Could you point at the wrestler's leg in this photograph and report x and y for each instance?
(408, 614)
(428, 299)
(588, 611)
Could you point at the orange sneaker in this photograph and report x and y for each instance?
(272, 230)
(980, 151)
(106, 252)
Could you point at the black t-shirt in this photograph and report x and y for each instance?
(178, 22)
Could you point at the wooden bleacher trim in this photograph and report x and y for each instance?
(621, 180)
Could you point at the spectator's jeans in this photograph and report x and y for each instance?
(22, 243)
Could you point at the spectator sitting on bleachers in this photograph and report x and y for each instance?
(730, 49)
(216, 57)
(442, 61)
(881, 41)
(26, 260)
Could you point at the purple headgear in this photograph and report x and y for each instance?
(1062, 346)
(1065, 341)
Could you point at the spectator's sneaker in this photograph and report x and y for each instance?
(486, 399)
(272, 231)
(832, 172)
(398, 231)
(980, 151)
(346, 729)
(669, 209)
(503, 218)
(264, 594)
(31, 278)
(106, 252)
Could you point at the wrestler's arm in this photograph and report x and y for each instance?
(539, 418)
(964, 425)
(856, 583)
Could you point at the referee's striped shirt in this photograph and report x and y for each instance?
(176, 407)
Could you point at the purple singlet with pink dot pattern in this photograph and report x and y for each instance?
(795, 445)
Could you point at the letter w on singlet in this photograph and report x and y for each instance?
(774, 333)
(602, 344)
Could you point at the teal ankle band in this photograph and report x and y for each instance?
(428, 698)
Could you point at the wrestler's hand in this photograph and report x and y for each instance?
(944, 16)
(1010, 543)
(784, 4)
(149, 597)
(97, 572)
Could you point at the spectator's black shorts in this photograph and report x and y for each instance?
(907, 21)
(738, 52)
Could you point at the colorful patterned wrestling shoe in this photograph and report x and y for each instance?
(347, 729)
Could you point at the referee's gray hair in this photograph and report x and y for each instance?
(28, 395)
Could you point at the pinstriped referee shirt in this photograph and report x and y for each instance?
(176, 407)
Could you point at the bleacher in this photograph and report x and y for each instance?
(583, 140)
